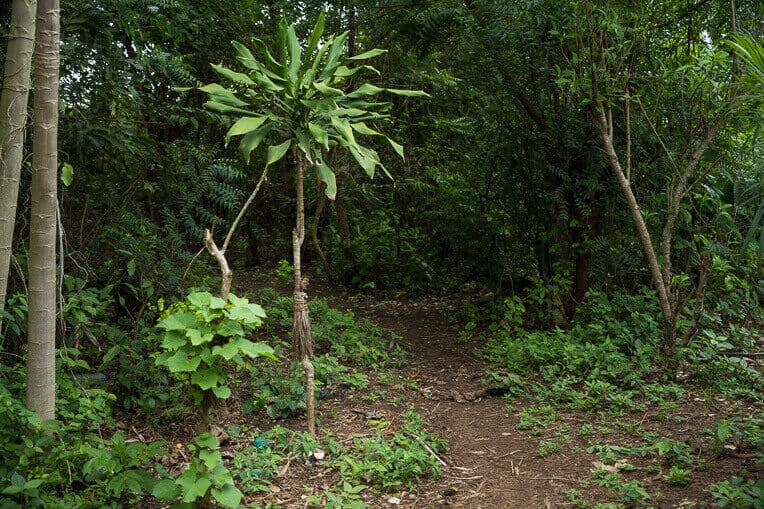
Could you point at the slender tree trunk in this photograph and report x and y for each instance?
(581, 281)
(706, 265)
(226, 274)
(208, 403)
(352, 28)
(13, 115)
(301, 335)
(41, 366)
(662, 287)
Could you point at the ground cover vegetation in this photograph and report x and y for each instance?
(572, 245)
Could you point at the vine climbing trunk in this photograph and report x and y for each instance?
(13, 116)
(301, 335)
(41, 365)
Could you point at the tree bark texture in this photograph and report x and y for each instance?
(13, 116)
(208, 403)
(41, 366)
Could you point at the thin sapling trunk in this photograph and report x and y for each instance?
(320, 206)
(301, 335)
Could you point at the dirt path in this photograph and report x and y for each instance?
(490, 461)
(490, 464)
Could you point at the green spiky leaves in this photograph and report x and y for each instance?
(298, 98)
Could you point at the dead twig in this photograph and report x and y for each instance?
(428, 449)
(284, 469)
(138, 434)
(465, 478)
(508, 454)
(464, 469)
(553, 479)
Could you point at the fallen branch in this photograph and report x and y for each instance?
(427, 448)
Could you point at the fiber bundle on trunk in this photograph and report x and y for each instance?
(303, 340)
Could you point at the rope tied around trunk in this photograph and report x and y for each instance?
(303, 340)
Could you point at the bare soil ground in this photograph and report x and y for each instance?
(490, 463)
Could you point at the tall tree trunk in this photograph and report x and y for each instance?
(41, 366)
(301, 335)
(13, 116)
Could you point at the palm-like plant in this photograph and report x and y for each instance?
(296, 98)
(752, 52)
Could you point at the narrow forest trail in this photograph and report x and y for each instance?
(490, 463)
(525, 453)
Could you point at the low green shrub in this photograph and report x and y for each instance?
(281, 390)
(612, 340)
(203, 336)
(67, 462)
(205, 479)
(738, 493)
(352, 340)
(394, 460)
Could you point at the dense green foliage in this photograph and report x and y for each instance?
(78, 460)
(505, 186)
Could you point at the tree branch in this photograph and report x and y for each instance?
(243, 210)
(225, 270)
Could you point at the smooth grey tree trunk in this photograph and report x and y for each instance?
(13, 116)
(41, 365)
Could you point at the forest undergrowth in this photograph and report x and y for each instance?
(533, 229)
(590, 403)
